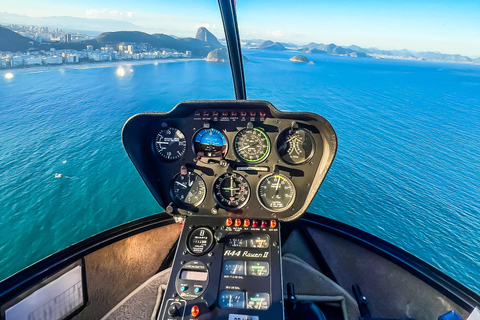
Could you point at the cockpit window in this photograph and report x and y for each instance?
(71, 74)
(399, 82)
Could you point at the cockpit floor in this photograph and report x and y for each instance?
(143, 302)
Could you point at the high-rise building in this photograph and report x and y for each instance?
(67, 37)
(89, 48)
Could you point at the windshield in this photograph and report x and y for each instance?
(399, 81)
(71, 75)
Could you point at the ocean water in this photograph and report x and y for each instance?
(407, 168)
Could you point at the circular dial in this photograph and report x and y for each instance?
(276, 192)
(251, 145)
(170, 144)
(189, 189)
(295, 146)
(231, 191)
(200, 241)
(210, 143)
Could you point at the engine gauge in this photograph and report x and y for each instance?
(231, 191)
(276, 192)
(232, 299)
(258, 300)
(189, 189)
(234, 268)
(210, 143)
(170, 144)
(251, 145)
(295, 146)
(258, 268)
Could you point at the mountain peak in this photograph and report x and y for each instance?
(204, 35)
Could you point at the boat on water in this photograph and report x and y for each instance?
(236, 240)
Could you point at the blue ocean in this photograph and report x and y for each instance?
(407, 168)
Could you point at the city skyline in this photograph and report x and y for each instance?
(451, 27)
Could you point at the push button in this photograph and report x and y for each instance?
(197, 289)
(183, 288)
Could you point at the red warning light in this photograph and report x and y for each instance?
(238, 222)
(273, 224)
(195, 311)
(246, 223)
(229, 222)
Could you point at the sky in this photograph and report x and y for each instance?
(451, 26)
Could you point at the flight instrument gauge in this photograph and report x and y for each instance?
(170, 144)
(251, 145)
(276, 192)
(210, 143)
(295, 146)
(231, 191)
(189, 189)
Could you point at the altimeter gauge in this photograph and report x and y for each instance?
(251, 145)
(276, 192)
(189, 189)
(170, 144)
(231, 190)
(295, 146)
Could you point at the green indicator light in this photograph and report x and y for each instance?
(258, 267)
(256, 299)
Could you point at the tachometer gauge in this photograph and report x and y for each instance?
(231, 191)
(251, 145)
(189, 189)
(295, 146)
(170, 144)
(210, 143)
(276, 192)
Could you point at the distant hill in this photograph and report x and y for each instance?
(204, 35)
(12, 41)
(270, 45)
(158, 41)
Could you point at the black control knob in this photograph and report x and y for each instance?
(173, 311)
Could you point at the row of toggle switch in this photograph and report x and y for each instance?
(254, 223)
(197, 114)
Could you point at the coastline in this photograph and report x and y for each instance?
(91, 64)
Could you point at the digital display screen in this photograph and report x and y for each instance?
(193, 275)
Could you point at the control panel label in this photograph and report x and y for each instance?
(245, 254)
(241, 317)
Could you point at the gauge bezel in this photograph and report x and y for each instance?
(182, 203)
(157, 152)
(263, 158)
(220, 204)
(310, 157)
(294, 197)
(227, 145)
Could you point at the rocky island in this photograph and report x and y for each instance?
(218, 55)
(299, 58)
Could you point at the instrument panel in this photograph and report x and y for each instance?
(231, 158)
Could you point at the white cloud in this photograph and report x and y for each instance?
(108, 13)
(276, 33)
